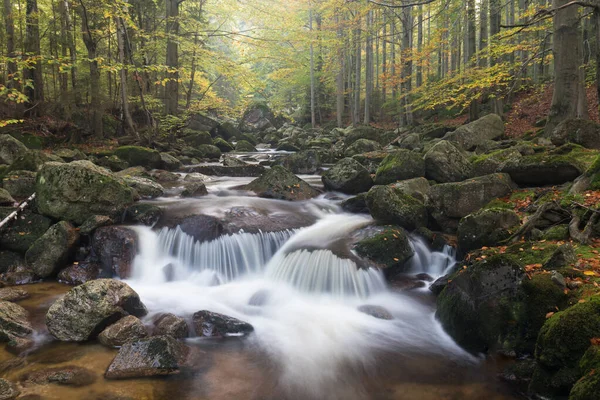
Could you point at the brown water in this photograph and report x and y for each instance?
(237, 369)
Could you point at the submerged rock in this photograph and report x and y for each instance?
(13, 321)
(211, 324)
(154, 356)
(51, 251)
(348, 176)
(79, 273)
(171, 325)
(70, 375)
(375, 311)
(279, 183)
(86, 310)
(8, 390)
(125, 330)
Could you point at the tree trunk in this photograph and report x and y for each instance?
(483, 31)
(313, 118)
(369, 69)
(407, 65)
(420, 47)
(123, 75)
(172, 84)
(10, 44)
(92, 49)
(597, 53)
(33, 71)
(357, 83)
(471, 50)
(495, 17)
(339, 98)
(384, 67)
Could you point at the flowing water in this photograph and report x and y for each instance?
(301, 289)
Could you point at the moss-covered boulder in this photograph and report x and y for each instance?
(445, 163)
(139, 156)
(169, 162)
(11, 149)
(305, 162)
(112, 163)
(223, 145)
(562, 342)
(52, 250)
(486, 227)
(583, 132)
(146, 188)
(347, 176)
(352, 134)
(493, 162)
(371, 160)
(5, 198)
(388, 247)
(477, 132)
(588, 387)
(20, 184)
(69, 155)
(417, 188)
(227, 131)
(280, 183)
(398, 166)
(79, 190)
(195, 139)
(33, 160)
(391, 206)
(361, 146)
(23, 231)
(245, 146)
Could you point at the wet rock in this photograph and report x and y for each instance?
(245, 146)
(94, 222)
(375, 311)
(23, 231)
(361, 146)
(211, 324)
(13, 294)
(79, 273)
(304, 163)
(229, 161)
(388, 248)
(391, 206)
(279, 183)
(13, 321)
(169, 162)
(194, 189)
(20, 275)
(146, 188)
(5, 198)
(348, 176)
(399, 166)
(154, 356)
(417, 188)
(86, 310)
(164, 176)
(217, 170)
(70, 375)
(139, 156)
(580, 131)
(477, 132)
(486, 228)
(143, 213)
(112, 163)
(254, 220)
(79, 190)
(116, 248)
(8, 390)
(20, 184)
(11, 149)
(223, 145)
(137, 171)
(125, 330)
(171, 325)
(445, 163)
(356, 205)
(196, 177)
(51, 251)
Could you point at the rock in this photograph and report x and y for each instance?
(445, 163)
(347, 176)
(146, 188)
(588, 387)
(8, 391)
(51, 251)
(94, 222)
(138, 171)
(79, 190)
(494, 162)
(398, 166)
(562, 342)
(279, 183)
(361, 146)
(169, 162)
(306, 162)
(171, 325)
(113, 163)
(223, 145)
(257, 117)
(216, 170)
(253, 220)
(202, 122)
(208, 151)
(13, 321)
(245, 146)
(562, 257)
(10, 259)
(362, 132)
(13, 294)
(79, 273)
(287, 147)
(70, 375)
(139, 156)
(20, 184)
(583, 132)
(211, 324)
(164, 176)
(229, 161)
(388, 248)
(11, 149)
(143, 213)
(24, 231)
(457, 200)
(116, 248)
(196, 177)
(33, 160)
(154, 356)
(5, 198)
(391, 206)
(227, 130)
(558, 279)
(86, 310)
(486, 228)
(20, 275)
(197, 138)
(375, 311)
(194, 189)
(127, 329)
(69, 155)
(477, 132)
(356, 205)
(417, 188)
(202, 228)
(371, 160)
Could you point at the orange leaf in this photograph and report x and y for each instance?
(551, 313)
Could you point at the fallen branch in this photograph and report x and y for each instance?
(583, 236)
(530, 223)
(15, 213)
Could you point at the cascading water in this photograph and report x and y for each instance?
(433, 263)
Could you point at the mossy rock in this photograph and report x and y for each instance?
(371, 160)
(487, 227)
(227, 131)
(558, 232)
(280, 183)
(362, 132)
(208, 151)
(112, 162)
(361, 146)
(223, 145)
(580, 131)
(33, 160)
(11, 149)
(52, 250)
(398, 166)
(390, 249)
(391, 206)
(139, 156)
(20, 184)
(194, 138)
(245, 146)
(446, 163)
(23, 231)
(31, 141)
(347, 176)
(588, 387)
(489, 127)
(248, 138)
(493, 162)
(305, 162)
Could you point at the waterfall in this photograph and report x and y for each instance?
(433, 263)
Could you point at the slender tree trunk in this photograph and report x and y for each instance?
(495, 17)
(172, 85)
(33, 71)
(420, 47)
(407, 65)
(483, 31)
(190, 91)
(596, 17)
(123, 75)
(92, 49)
(472, 49)
(313, 118)
(358, 71)
(10, 45)
(369, 69)
(69, 35)
(384, 67)
(340, 75)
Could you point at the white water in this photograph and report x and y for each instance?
(306, 320)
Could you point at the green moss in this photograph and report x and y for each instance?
(558, 232)
(498, 204)
(139, 156)
(223, 145)
(244, 146)
(398, 166)
(530, 253)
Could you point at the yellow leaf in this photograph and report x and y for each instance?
(589, 273)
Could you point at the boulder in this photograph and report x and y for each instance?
(257, 117)
(86, 310)
(13, 294)
(13, 321)
(139, 156)
(279, 183)
(11, 149)
(115, 247)
(398, 166)
(52, 250)
(352, 134)
(153, 356)
(70, 375)
(371, 160)
(356, 204)
(10, 259)
(143, 213)
(5, 198)
(94, 222)
(417, 188)
(304, 163)
(33, 160)
(583, 132)
(389, 248)
(245, 146)
(471, 135)
(202, 228)
(80, 272)
(223, 145)
(194, 189)
(112, 163)
(208, 151)
(20, 184)
(229, 161)
(79, 190)
(169, 162)
(8, 390)
(23, 231)
(347, 176)
(195, 138)
(202, 122)
(494, 162)
(146, 188)
(127, 329)
(69, 155)
(171, 325)
(391, 206)
(196, 177)
(227, 130)
(211, 324)
(588, 387)
(486, 228)
(445, 163)
(361, 146)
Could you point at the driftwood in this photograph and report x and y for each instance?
(15, 213)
